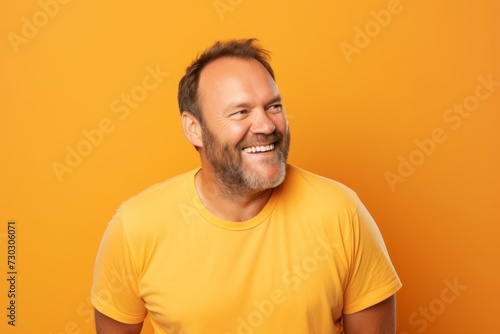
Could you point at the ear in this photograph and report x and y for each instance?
(192, 129)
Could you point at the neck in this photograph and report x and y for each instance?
(230, 204)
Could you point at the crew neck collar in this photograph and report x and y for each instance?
(226, 224)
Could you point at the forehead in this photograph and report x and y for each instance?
(228, 80)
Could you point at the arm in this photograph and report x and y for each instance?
(114, 288)
(377, 319)
(106, 325)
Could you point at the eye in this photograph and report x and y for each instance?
(278, 107)
(239, 113)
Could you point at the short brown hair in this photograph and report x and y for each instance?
(187, 95)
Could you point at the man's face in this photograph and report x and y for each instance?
(245, 131)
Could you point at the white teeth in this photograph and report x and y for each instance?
(254, 149)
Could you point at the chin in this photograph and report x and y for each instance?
(266, 178)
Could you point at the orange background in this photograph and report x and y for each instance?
(353, 117)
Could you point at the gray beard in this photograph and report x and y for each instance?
(233, 179)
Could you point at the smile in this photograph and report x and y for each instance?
(257, 149)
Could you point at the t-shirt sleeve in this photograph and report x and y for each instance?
(372, 277)
(115, 285)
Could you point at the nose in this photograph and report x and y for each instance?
(262, 123)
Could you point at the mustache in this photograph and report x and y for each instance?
(260, 139)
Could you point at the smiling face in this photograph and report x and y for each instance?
(245, 131)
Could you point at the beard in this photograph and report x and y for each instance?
(228, 165)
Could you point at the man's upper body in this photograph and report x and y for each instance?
(246, 243)
(312, 254)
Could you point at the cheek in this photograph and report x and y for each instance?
(281, 123)
(235, 133)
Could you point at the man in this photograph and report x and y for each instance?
(245, 244)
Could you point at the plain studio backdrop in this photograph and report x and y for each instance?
(399, 100)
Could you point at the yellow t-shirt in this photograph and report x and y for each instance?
(312, 254)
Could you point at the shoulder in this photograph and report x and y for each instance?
(163, 193)
(149, 210)
(307, 187)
